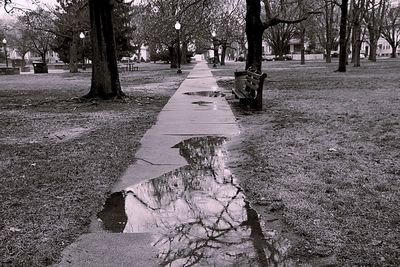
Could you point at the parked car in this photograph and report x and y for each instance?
(268, 57)
(285, 57)
(334, 54)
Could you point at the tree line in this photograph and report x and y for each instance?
(116, 28)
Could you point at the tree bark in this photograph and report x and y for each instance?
(373, 45)
(394, 51)
(302, 37)
(216, 53)
(329, 9)
(73, 53)
(105, 77)
(223, 53)
(356, 44)
(184, 53)
(254, 32)
(172, 53)
(343, 37)
(43, 56)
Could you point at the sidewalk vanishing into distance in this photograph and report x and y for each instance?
(195, 110)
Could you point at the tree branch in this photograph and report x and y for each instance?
(275, 20)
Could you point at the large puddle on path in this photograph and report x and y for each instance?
(206, 93)
(198, 213)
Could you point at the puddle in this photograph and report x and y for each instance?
(198, 214)
(202, 103)
(206, 93)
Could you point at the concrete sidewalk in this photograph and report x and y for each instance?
(194, 110)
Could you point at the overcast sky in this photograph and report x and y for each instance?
(24, 4)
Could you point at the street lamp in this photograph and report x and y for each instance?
(5, 50)
(214, 34)
(82, 36)
(177, 28)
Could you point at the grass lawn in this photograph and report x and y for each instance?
(321, 161)
(59, 154)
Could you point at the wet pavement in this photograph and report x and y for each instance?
(178, 204)
(198, 213)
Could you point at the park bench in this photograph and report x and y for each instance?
(9, 71)
(251, 92)
(127, 67)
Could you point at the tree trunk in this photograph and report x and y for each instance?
(184, 53)
(43, 56)
(216, 54)
(73, 53)
(329, 9)
(342, 36)
(302, 37)
(373, 45)
(23, 63)
(254, 32)
(394, 53)
(105, 77)
(223, 54)
(172, 54)
(355, 59)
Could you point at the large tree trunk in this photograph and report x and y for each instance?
(329, 9)
(343, 37)
(328, 58)
(373, 45)
(302, 37)
(105, 77)
(184, 53)
(356, 44)
(223, 53)
(173, 54)
(394, 51)
(216, 53)
(43, 56)
(73, 53)
(254, 32)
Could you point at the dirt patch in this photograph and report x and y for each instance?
(321, 161)
(60, 154)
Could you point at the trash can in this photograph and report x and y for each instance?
(240, 79)
(40, 67)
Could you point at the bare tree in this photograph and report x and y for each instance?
(228, 24)
(278, 37)
(161, 16)
(41, 40)
(391, 28)
(374, 17)
(358, 13)
(20, 39)
(255, 26)
(328, 34)
(343, 40)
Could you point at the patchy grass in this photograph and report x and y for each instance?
(324, 158)
(60, 154)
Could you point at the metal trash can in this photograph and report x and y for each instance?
(240, 79)
(40, 67)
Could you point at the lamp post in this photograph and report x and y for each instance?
(82, 36)
(178, 28)
(214, 34)
(5, 50)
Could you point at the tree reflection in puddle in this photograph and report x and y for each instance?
(199, 214)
